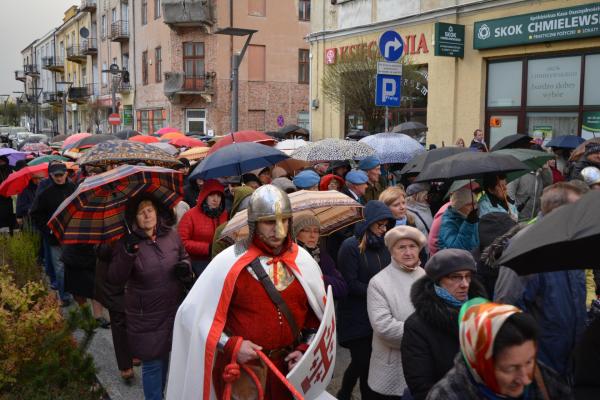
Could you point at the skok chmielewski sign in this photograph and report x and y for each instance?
(544, 26)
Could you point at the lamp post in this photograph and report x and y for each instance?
(65, 88)
(236, 60)
(115, 82)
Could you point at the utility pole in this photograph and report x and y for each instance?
(117, 78)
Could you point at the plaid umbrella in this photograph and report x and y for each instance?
(126, 152)
(94, 213)
(333, 149)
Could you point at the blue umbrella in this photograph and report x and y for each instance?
(236, 159)
(565, 141)
(393, 147)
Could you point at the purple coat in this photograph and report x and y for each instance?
(152, 291)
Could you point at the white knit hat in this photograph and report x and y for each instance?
(404, 232)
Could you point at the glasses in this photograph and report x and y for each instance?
(381, 225)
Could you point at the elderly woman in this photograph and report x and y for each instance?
(417, 203)
(430, 339)
(306, 230)
(331, 182)
(498, 346)
(361, 257)
(388, 304)
(150, 262)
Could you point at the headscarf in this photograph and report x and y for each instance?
(480, 321)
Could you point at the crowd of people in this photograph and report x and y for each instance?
(421, 305)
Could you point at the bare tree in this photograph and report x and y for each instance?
(350, 84)
(94, 116)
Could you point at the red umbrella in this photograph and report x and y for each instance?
(167, 129)
(243, 136)
(18, 181)
(144, 139)
(74, 138)
(187, 142)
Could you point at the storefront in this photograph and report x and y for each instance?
(525, 68)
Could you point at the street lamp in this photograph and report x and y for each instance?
(118, 75)
(236, 60)
(65, 85)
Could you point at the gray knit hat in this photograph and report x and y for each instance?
(303, 220)
(447, 261)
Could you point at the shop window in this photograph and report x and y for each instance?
(592, 77)
(554, 81)
(256, 63)
(257, 8)
(304, 120)
(195, 121)
(504, 84)
(505, 125)
(542, 125)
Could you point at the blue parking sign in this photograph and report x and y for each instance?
(391, 45)
(388, 90)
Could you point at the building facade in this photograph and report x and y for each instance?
(526, 67)
(50, 104)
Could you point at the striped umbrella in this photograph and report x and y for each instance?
(94, 213)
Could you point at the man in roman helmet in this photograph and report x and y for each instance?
(264, 293)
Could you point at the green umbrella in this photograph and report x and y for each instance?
(534, 159)
(45, 159)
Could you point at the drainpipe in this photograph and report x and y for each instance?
(134, 75)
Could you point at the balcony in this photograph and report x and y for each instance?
(88, 5)
(75, 54)
(53, 98)
(124, 88)
(119, 31)
(20, 76)
(187, 13)
(178, 84)
(79, 94)
(31, 70)
(89, 47)
(54, 64)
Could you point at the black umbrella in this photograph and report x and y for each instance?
(470, 165)
(410, 128)
(564, 239)
(292, 129)
(357, 135)
(512, 142)
(419, 161)
(126, 134)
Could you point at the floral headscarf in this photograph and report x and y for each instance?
(480, 321)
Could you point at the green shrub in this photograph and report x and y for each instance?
(20, 252)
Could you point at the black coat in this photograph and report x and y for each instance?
(430, 340)
(46, 201)
(109, 295)
(80, 269)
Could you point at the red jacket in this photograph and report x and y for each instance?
(196, 228)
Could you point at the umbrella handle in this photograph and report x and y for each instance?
(126, 225)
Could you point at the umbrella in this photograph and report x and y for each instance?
(410, 127)
(564, 239)
(357, 135)
(187, 142)
(17, 181)
(565, 141)
(580, 150)
(89, 141)
(332, 150)
(534, 159)
(167, 129)
(144, 139)
(237, 159)
(288, 146)
(94, 212)
(243, 136)
(333, 209)
(59, 138)
(12, 155)
(172, 135)
(293, 130)
(393, 148)
(74, 138)
(36, 148)
(470, 165)
(166, 147)
(126, 134)
(418, 162)
(126, 152)
(512, 141)
(196, 153)
(47, 159)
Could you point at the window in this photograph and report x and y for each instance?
(304, 120)
(592, 77)
(257, 8)
(157, 120)
(144, 121)
(554, 81)
(195, 121)
(304, 10)
(156, 9)
(193, 65)
(145, 68)
(103, 28)
(149, 121)
(144, 12)
(256, 63)
(303, 66)
(113, 14)
(125, 61)
(504, 84)
(104, 75)
(158, 64)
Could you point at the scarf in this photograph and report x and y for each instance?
(374, 241)
(314, 252)
(447, 297)
(212, 212)
(402, 221)
(479, 323)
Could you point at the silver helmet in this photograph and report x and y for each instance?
(591, 175)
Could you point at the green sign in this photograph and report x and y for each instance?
(449, 40)
(127, 115)
(590, 126)
(544, 26)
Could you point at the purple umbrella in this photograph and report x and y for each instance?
(12, 155)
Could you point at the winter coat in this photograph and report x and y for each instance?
(7, 213)
(239, 194)
(430, 339)
(527, 191)
(152, 292)
(488, 203)
(191, 192)
(357, 269)
(456, 232)
(25, 200)
(109, 295)
(331, 276)
(374, 190)
(45, 203)
(422, 214)
(574, 169)
(80, 269)
(434, 232)
(458, 384)
(557, 302)
(389, 306)
(587, 359)
(198, 229)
